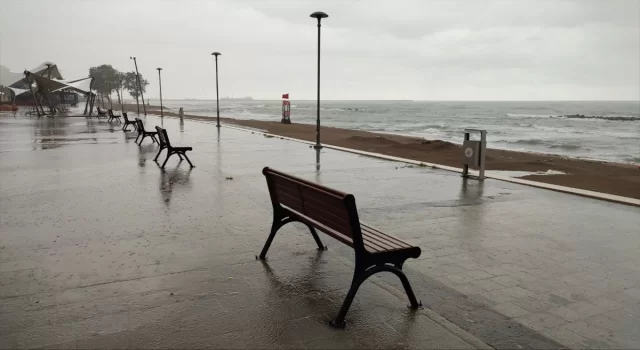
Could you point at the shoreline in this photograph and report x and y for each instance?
(607, 177)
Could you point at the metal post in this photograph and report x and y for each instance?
(35, 102)
(319, 15)
(465, 167)
(483, 153)
(121, 97)
(216, 54)
(139, 87)
(160, 81)
(86, 106)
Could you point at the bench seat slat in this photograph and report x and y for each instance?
(383, 237)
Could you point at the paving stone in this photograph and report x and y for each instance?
(517, 292)
(540, 321)
(487, 284)
(532, 304)
(563, 336)
(510, 310)
(565, 313)
(506, 281)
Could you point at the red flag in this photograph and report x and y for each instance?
(285, 95)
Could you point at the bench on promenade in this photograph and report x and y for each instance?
(144, 133)
(335, 213)
(128, 122)
(181, 151)
(113, 116)
(101, 113)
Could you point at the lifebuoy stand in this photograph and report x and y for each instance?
(286, 109)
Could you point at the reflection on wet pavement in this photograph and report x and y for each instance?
(100, 250)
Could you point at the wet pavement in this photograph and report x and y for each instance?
(100, 248)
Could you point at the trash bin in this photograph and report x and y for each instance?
(474, 152)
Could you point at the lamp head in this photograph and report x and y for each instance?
(319, 15)
(216, 54)
(159, 69)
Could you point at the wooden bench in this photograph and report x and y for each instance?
(101, 113)
(113, 116)
(128, 122)
(181, 151)
(335, 213)
(144, 133)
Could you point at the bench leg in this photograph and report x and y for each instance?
(407, 286)
(275, 226)
(188, 160)
(317, 238)
(166, 159)
(361, 276)
(158, 155)
(153, 138)
(137, 137)
(358, 278)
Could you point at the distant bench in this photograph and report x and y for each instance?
(113, 116)
(335, 213)
(180, 150)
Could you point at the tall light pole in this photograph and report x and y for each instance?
(121, 96)
(319, 15)
(217, 96)
(139, 87)
(160, 80)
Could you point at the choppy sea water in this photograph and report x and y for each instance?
(594, 130)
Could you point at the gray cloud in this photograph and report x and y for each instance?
(443, 50)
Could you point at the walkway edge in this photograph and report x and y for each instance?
(557, 188)
(457, 331)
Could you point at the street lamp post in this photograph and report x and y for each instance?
(216, 54)
(121, 96)
(160, 80)
(319, 15)
(139, 87)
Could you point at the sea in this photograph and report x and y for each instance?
(598, 130)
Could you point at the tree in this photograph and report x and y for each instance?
(131, 84)
(106, 80)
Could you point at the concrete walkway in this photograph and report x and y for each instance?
(101, 248)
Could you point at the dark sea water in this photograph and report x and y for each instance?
(612, 131)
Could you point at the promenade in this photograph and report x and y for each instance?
(100, 248)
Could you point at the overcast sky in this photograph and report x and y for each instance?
(374, 49)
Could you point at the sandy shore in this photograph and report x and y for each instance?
(612, 178)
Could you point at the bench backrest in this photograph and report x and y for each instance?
(163, 137)
(124, 115)
(323, 206)
(140, 126)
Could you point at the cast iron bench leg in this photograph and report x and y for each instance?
(187, 158)
(158, 155)
(277, 224)
(361, 276)
(168, 155)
